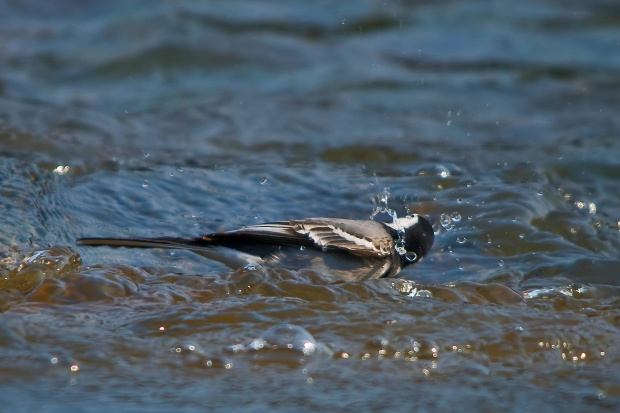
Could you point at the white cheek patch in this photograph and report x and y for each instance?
(401, 224)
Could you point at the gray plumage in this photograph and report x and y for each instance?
(341, 249)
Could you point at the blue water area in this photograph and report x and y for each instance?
(496, 120)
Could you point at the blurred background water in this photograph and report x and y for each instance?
(496, 119)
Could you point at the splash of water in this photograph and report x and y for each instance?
(382, 207)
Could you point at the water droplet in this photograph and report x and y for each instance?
(145, 184)
(445, 220)
(302, 248)
(74, 368)
(385, 197)
(540, 192)
(501, 263)
(461, 240)
(61, 170)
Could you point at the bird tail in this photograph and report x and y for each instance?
(163, 242)
(207, 246)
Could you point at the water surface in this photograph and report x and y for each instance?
(496, 120)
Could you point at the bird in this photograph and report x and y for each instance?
(341, 249)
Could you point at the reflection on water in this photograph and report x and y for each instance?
(155, 118)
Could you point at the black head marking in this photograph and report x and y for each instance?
(419, 240)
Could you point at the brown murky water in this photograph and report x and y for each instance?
(496, 120)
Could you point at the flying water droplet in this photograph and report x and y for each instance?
(386, 196)
(445, 220)
(411, 256)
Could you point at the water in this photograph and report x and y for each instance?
(497, 120)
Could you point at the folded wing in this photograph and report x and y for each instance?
(362, 238)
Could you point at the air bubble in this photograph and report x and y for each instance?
(145, 184)
(456, 217)
(263, 181)
(290, 336)
(461, 240)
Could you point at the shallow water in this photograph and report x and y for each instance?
(497, 120)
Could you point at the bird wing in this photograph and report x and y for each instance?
(361, 238)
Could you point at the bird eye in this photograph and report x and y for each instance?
(411, 256)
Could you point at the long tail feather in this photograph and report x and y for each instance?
(206, 247)
(163, 242)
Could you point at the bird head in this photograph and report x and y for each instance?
(416, 237)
